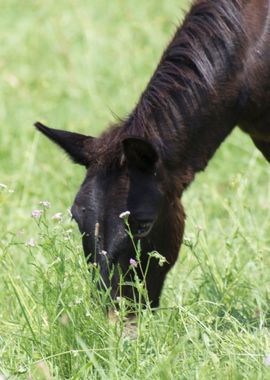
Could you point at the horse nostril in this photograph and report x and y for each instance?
(143, 227)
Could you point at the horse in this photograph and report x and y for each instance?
(213, 76)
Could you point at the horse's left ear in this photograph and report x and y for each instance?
(140, 152)
(77, 146)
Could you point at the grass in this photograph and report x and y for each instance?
(74, 65)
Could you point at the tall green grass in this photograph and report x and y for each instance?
(75, 65)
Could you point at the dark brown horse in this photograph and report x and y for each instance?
(214, 75)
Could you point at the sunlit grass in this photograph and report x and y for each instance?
(74, 65)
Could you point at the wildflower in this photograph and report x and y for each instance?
(133, 263)
(267, 360)
(45, 204)
(57, 216)
(103, 253)
(124, 215)
(3, 186)
(36, 214)
(30, 243)
(161, 259)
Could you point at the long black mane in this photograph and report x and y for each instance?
(204, 51)
(202, 56)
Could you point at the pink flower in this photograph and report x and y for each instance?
(133, 263)
(57, 216)
(36, 214)
(30, 243)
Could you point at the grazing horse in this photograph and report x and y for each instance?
(214, 75)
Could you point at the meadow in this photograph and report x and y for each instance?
(77, 65)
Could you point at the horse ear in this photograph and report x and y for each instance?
(77, 146)
(140, 152)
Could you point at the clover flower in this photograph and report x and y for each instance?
(36, 214)
(30, 243)
(133, 263)
(57, 216)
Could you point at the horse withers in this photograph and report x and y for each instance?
(214, 75)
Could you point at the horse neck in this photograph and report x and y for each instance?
(191, 103)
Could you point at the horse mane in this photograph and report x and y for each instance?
(204, 52)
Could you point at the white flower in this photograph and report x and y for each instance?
(103, 253)
(3, 186)
(124, 215)
(30, 243)
(36, 214)
(45, 204)
(267, 360)
(57, 216)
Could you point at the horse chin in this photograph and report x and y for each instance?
(130, 325)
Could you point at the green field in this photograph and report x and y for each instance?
(75, 65)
